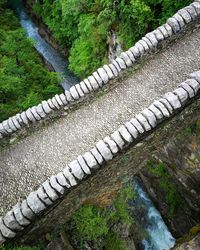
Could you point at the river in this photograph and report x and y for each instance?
(52, 56)
(158, 235)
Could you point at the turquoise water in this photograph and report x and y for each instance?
(56, 59)
(158, 235)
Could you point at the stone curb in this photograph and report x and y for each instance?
(25, 212)
(103, 75)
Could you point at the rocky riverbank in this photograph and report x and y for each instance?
(172, 180)
(193, 244)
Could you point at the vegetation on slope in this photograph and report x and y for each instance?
(101, 227)
(20, 248)
(172, 196)
(24, 81)
(83, 25)
(97, 226)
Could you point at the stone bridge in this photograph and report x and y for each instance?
(100, 130)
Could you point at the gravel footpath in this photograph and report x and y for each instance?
(28, 163)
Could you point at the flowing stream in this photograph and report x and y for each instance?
(52, 56)
(158, 235)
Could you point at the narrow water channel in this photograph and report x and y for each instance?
(52, 56)
(158, 235)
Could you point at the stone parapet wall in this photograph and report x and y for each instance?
(148, 44)
(57, 186)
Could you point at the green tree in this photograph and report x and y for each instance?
(24, 81)
(82, 26)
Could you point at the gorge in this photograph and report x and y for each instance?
(53, 57)
(164, 157)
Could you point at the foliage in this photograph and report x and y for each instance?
(195, 130)
(172, 196)
(192, 130)
(190, 235)
(90, 223)
(83, 25)
(20, 248)
(121, 205)
(93, 224)
(24, 81)
(113, 242)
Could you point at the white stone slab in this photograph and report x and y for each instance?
(104, 76)
(173, 100)
(55, 185)
(112, 145)
(83, 164)
(6, 232)
(62, 180)
(11, 222)
(93, 82)
(121, 63)
(125, 134)
(98, 78)
(74, 93)
(69, 176)
(137, 125)
(35, 203)
(90, 160)
(188, 88)
(26, 211)
(50, 191)
(162, 108)
(132, 130)
(97, 156)
(43, 196)
(76, 169)
(158, 114)
(185, 15)
(182, 94)
(19, 216)
(84, 87)
(143, 121)
(150, 117)
(46, 107)
(108, 71)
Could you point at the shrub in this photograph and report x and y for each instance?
(172, 196)
(113, 242)
(24, 81)
(89, 223)
(21, 248)
(82, 26)
(93, 224)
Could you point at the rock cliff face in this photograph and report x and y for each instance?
(172, 180)
(114, 46)
(193, 244)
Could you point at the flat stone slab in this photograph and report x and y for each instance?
(76, 169)
(19, 216)
(6, 232)
(90, 160)
(35, 203)
(50, 191)
(104, 150)
(11, 222)
(69, 176)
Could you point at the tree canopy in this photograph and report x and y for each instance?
(82, 26)
(24, 81)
